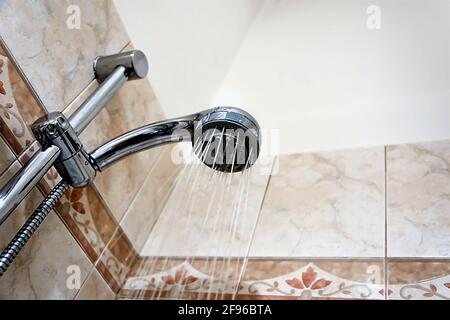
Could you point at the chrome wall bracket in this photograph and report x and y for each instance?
(73, 164)
(134, 62)
(58, 135)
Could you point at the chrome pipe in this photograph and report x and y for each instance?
(12, 194)
(87, 112)
(112, 72)
(147, 137)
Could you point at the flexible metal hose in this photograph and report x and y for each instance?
(29, 228)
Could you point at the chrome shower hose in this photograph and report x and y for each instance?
(29, 228)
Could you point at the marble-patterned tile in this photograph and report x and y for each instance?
(43, 268)
(95, 288)
(18, 108)
(209, 214)
(411, 279)
(326, 204)
(6, 156)
(55, 51)
(313, 279)
(133, 106)
(418, 185)
(149, 202)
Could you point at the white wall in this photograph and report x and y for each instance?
(310, 68)
(314, 70)
(190, 44)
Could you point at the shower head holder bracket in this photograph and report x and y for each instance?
(134, 62)
(59, 136)
(73, 164)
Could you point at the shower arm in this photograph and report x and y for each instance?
(61, 146)
(149, 136)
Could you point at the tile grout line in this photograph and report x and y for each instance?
(4, 171)
(324, 259)
(141, 188)
(167, 198)
(84, 281)
(10, 167)
(386, 275)
(138, 192)
(247, 258)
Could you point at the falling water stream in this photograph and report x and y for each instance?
(199, 246)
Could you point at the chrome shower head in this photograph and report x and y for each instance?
(227, 139)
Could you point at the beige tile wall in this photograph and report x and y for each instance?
(326, 204)
(57, 60)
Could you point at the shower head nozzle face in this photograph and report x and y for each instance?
(227, 139)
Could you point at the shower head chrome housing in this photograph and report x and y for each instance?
(227, 139)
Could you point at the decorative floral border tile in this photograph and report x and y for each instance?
(117, 260)
(311, 281)
(178, 278)
(419, 280)
(18, 109)
(435, 289)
